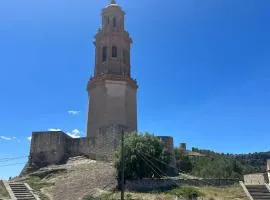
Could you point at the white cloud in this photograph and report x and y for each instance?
(73, 112)
(74, 133)
(54, 129)
(5, 138)
(29, 138)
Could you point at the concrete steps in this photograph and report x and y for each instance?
(258, 192)
(21, 192)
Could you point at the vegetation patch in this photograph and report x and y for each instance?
(224, 193)
(3, 192)
(187, 192)
(37, 184)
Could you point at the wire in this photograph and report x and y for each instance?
(149, 165)
(12, 158)
(154, 165)
(174, 167)
(12, 164)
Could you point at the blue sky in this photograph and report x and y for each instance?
(202, 68)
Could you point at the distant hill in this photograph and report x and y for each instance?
(220, 165)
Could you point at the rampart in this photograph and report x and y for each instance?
(55, 147)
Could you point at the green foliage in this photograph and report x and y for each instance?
(216, 165)
(37, 184)
(187, 192)
(183, 162)
(143, 157)
(90, 197)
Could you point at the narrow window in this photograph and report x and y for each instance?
(114, 52)
(108, 20)
(114, 21)
(104, 53)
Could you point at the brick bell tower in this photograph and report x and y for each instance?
(112, 91)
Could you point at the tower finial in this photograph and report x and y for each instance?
(113, 2)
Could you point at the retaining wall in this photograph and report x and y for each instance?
(156, 184)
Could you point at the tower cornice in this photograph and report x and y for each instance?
(121, 34)
(98, 79)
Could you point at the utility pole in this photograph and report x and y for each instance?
(123, 166)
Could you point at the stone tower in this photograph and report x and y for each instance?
(112, 91)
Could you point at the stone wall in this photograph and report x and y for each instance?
(156, 184)
(268, 170)
(255, 179)
(169, 147)
(48, 148)
(56, 147)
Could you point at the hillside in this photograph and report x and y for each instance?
(82, 177)
(74, 180)
(218, 165)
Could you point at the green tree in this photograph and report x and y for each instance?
(144, 157)
(183, 163)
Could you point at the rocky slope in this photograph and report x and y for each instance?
(74, 180)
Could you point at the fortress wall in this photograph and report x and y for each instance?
(81, 146)
(168, 142)
(47, 147)
(56, 147)
(169, 146)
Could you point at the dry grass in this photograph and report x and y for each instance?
(3, 192)
(87, 177)
(234, 192)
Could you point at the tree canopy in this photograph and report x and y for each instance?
(144, 157)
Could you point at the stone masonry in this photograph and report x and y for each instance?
(112, 95)
(112, 91)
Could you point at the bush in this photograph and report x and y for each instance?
(144, 157)
(186, 192)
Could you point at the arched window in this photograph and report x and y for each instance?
(114, 21)
(104, 53)
(114, 52)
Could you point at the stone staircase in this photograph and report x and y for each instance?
(21, 192)
(258, 192)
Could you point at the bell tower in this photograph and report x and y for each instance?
(112, 91)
